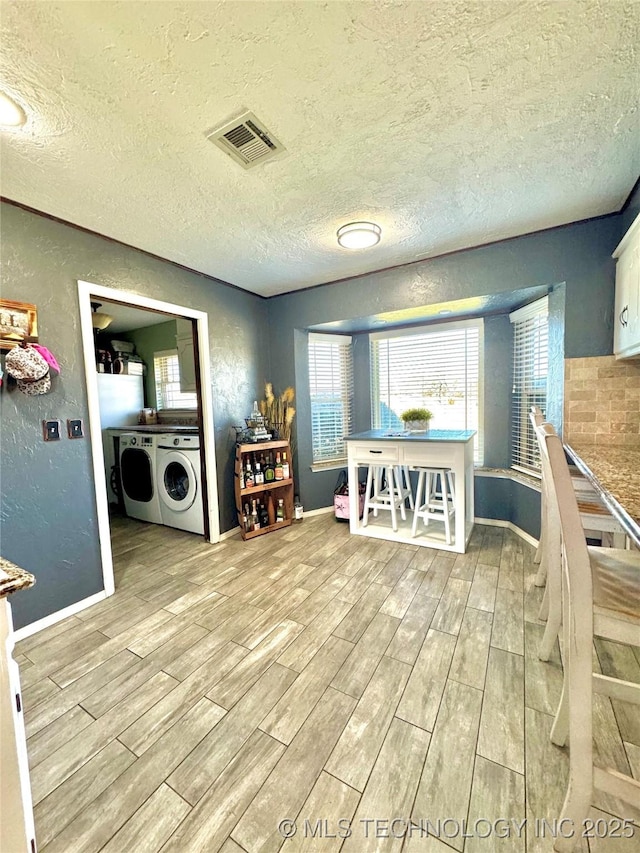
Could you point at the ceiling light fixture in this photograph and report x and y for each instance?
(11, 113)
(359, 235)
(99, 320)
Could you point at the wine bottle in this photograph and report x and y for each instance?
(264, 515)
(280, 510)
(286, 470)
(248, 475)
(279, 472)
(297, 509)
(248, 526)
(258, 476)
(255, 517)
(269, 471)
(271, 509)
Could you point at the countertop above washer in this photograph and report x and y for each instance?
(158, 428)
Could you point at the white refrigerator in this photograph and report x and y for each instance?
(121, 397)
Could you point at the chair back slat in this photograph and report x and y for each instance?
(577, 594)
(536, 417)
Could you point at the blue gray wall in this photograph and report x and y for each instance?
(49, 522)
(148, 341)
(575, 260)
(630, 210)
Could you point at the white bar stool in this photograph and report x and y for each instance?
(391, 496)
(435, 498)
(404, 483)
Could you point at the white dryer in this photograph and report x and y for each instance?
(138, 477)
(179, 482)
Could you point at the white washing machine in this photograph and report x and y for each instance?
(138, 476)
(179, 482)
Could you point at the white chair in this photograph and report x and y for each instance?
(601, 597)
(597, 521)
(435, 499)
(551, 608)
(385, 490)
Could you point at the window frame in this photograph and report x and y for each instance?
(184, 406)
(346, 394)
(523, 443)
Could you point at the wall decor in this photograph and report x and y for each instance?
(18, 322)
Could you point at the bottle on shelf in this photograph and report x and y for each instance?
(255, 517)
(286, 470)
(280, 510)
(264, 515)
(241, 479)
(271, 509)
(258, 475)
(278, 469)
(248, 475)
(269, 470)
(297, 509)
(248, 519)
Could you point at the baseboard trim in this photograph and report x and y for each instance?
(58, 616)
(321, 511)
(228, 534)
(498, 522)
(491, 522)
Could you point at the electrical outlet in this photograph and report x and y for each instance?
(75, 428)
(51, 430)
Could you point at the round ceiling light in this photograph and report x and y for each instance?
(11, 113)
(359, 235)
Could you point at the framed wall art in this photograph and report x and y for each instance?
(18, 322)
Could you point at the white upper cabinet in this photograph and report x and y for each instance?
(626, 334)
(184, 345)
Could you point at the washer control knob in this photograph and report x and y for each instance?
(134, 440)
(176, 441)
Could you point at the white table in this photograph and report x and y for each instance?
(435, 449)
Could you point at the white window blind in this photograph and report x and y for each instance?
(331, 389)
(530, 367)
(437, 368)
(167, 375)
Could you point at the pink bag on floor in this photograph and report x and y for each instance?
(341, 498)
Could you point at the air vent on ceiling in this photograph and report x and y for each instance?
(247, 141)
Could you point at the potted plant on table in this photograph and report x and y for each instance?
(416, 420)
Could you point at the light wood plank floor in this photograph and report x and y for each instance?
(312, 676)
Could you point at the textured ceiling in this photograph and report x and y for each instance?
(449, 124)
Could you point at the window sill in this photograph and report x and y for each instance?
(328, 466)
(529, 480)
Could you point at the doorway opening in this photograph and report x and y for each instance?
(150, 414)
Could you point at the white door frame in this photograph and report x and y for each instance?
(87, 291)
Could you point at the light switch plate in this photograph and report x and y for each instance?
(75, 428)
(51, 430)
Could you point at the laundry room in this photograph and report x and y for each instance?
(148, 401)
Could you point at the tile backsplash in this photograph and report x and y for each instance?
(602, 401)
